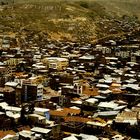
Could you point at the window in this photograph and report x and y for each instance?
(53, 65)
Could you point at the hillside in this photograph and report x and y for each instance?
(71, 20)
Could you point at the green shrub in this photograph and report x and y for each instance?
(84, 5)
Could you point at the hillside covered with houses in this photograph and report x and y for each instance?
(69, 71)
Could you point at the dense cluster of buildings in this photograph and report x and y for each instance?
(69, 91)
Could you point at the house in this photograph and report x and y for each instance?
(83, 87)
(86, 58)
(102, 86)
(77, 103)
(32, 92)
(60, 113)
(120, 137)
(25, 134)
(7, 137)
(37, 119)
(13, 61)
(127, 121)
(96, 127)
(11, 84)
(43, 112)
(104, 50)
(107, 105)
(12, 109)
(90, 102)
(57, 115)
(9, 95)
(88, 137)
(90, 91)
(122, 54)
(111, 59)
(56, 63)
(130, 117)
(73, 126)
(15, 116)
(56, 130)
(46, 133)
(106, 114)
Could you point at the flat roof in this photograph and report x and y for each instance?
(105, 91)
(111, 58)
(12, 108)
(25, 133)
(108, 105)
(57, 58)
(96, 123)
(12, 84)
(88, 137)
(8, 137)
(36, 115)
(108, 113)
(2, 113)
(102, 85)
(70, 138)
(92, 100)
(87, 57)
(3, 104)
(40, 130)
(15, 116)
(77, 102)
(133, 86)
(41, 109)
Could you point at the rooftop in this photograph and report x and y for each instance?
(40, 130)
